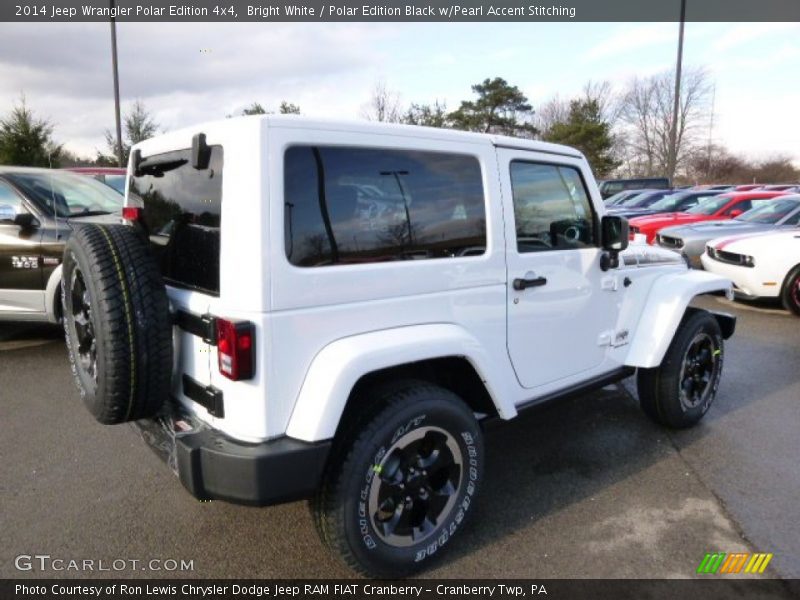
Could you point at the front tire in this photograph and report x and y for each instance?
(790, 294)
(395, 496)
(680, 391)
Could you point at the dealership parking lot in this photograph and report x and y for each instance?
(582, 488)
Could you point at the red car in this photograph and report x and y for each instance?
(716, 208)
(111, 176)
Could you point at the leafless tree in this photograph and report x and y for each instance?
(383, 105)
(646, 111)
(555, 110)
(607, 99)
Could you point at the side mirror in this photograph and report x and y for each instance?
(614, 234)
(25, 220)
(7, 213)
(736, 213)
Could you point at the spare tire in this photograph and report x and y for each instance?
(117, 323)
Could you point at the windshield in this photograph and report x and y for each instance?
(116, 181)
(770, 213)
(643, 200)
(708, 206)
(631, 200)
(668, 203)
(67, 194)
(679, 200)
(617, 198)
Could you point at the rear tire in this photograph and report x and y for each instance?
(117, 323)
(680, 391)
(395, 495)
(790, 294)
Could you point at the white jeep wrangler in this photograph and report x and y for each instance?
(305, 308)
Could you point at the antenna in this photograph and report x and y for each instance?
(711, 131)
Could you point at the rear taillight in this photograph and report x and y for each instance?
(236, 349)
(131, 213)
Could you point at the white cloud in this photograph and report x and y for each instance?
(743, 33)
(184, 73)
(329, 69)
(631, 37)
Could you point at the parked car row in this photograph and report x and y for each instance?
(748, 233)
(698, 208)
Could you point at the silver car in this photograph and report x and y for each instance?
(690, 240)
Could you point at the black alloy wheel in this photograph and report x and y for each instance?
(698, 370)
(84, 328)
(416, 486)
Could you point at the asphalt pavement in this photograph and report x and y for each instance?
(581, 488)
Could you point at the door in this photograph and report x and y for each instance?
(561, 306)
(181, 211)
(21, 287)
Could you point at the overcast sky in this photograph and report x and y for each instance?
(188, 73)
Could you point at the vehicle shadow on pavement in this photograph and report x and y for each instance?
(20, 335)
(591, 483)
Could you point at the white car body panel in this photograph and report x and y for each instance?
(319, 329)
(775, 254)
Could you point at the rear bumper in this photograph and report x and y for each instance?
(213, 466)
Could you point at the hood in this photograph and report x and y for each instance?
(752, 244)
(719, 224)
(630, 213)
(713, 229)
(642, 255)
(663, 219)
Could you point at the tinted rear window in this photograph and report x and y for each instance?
(182, 208)
(360, 205)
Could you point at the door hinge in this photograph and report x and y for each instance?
(613, 338)
(609, 283)
(206, 396)
(604, 339)
(204, 326)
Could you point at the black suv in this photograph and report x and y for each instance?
(38, 210)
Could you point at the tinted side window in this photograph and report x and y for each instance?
(743, 206)
(182, 208)
(361, 205)
(551, 207)
(690, 201)
(793, 220)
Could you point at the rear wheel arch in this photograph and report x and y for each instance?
(442, 352)
(453, 373)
